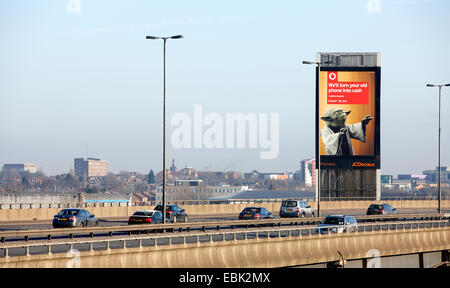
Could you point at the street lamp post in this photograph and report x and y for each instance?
(164, 204)
(439, 144)
(318, 135)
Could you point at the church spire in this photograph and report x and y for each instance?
(173, 169)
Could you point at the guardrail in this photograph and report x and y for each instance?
(221, 236)
(104, 203)
(28, 235)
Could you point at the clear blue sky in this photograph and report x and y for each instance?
(89, 84)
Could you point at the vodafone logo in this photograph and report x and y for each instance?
(332, 76)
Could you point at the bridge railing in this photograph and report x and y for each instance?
(105, 203)
(28, 235)
(221, 236)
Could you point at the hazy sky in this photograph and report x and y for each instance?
(83, 81)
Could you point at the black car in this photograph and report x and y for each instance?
(146, 217)
(74, 218)
(174, 213)
(381, 209)
(255, 213)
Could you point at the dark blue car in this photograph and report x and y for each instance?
(72, 217)
(174, 213)
(255, 213)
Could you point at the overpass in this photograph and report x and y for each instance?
(390, 244)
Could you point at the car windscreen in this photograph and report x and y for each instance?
(334, 220)
(159, 207)
(251, 210)
(68, 212)
(289, 203)
(376, 207)
(157, 214)
(143, 213)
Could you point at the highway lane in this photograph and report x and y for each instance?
(103, 222)
(121, 221)
(59, 244)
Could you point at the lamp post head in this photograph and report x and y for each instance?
(434, 85)
(164, 38)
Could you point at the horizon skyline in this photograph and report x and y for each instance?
(190, 166)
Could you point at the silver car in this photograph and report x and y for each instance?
(338, 224)
(296, 208)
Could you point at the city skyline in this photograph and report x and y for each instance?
(188, 166)
(84, 82)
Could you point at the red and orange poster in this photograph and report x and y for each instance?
(347, 113)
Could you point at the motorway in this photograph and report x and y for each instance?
(106, 222)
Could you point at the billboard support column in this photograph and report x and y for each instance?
(378, 193)
(316, 197)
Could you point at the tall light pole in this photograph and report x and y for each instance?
(439, 144)
(164, 204)
(318, 134)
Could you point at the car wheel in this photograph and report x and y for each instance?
(174, 220)
(185, 219)
(82, 224)
(303, 214)
(312, 214)
(96, 223)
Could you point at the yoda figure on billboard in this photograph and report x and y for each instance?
(337, 135)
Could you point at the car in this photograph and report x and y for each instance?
(146, 217)
(174, 213)
(338, 224)
(381, 209)
(295, 208)
(255, 213)
(74, 217)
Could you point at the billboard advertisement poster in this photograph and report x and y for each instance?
(348, 117)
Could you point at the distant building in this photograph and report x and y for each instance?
(386, 179)
(404, 177)
(129, 178)
(297, 176)
(432, 175)
(188, 172)
(276, 176)
(173, 173)
(252, 176)
(266, 194)
(106, 198)
(191, 183)
(31, 168)
(404, 182)
(308, 172)
(196, 189)
(90, 167)
(396, 184)
(418, 177)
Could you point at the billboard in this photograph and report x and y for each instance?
(348, 117)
